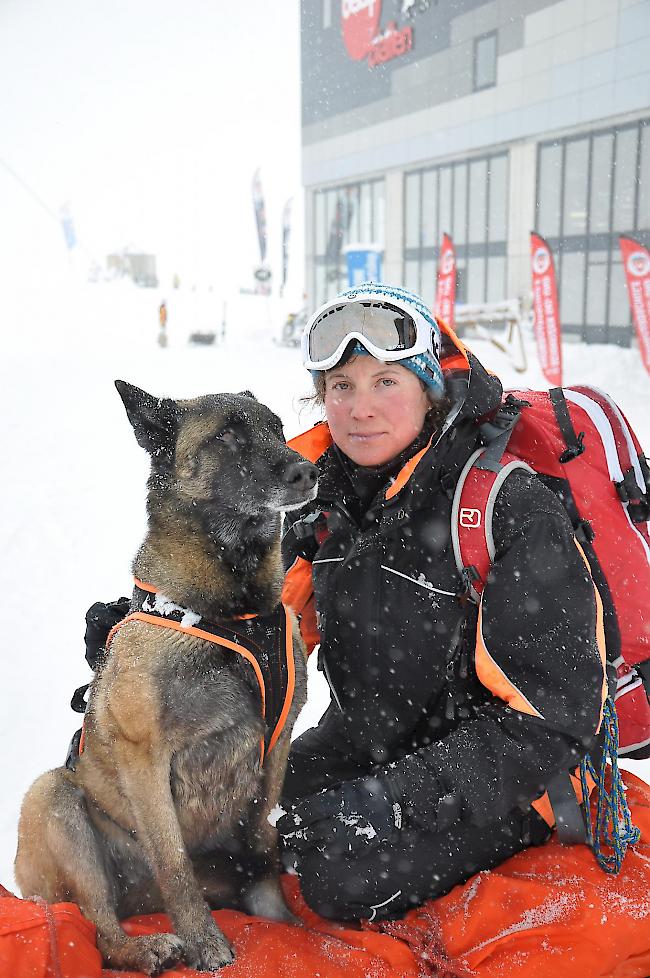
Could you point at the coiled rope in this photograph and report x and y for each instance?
(614, 828)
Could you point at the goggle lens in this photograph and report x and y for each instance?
(386, 328)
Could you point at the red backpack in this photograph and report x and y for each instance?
(580, 444)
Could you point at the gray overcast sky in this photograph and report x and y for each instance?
(149, 117)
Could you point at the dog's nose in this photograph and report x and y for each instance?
(301, 475)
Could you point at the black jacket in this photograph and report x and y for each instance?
(397, 637)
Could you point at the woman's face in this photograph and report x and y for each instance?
(374, 409)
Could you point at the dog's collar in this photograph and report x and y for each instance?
(164, 606)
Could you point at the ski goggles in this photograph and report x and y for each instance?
(386, 332)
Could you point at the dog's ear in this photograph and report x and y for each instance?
(247, 394)
(153, 419)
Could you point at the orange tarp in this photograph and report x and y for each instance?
(549, 912)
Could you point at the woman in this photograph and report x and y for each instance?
(419, 775)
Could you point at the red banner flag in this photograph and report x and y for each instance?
(446, 291)
(546, 313)
(636, 261)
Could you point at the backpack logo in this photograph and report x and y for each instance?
(470, 518)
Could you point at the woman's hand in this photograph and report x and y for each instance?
(352, 816)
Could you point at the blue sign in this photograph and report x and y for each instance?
(364, 265)
(68, 229)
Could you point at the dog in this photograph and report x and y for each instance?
(167, 808)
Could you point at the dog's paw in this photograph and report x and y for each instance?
(162, 951)
(151, 954)
(209, 952)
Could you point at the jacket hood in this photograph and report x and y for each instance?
(473, 390)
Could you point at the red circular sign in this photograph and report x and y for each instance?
(638, 264)
(360, 24)
(541, 261)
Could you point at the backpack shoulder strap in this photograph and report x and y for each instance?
(471, 517)
(473, 542)
(468, 536)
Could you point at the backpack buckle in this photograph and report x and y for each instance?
(638, 505)
(469, 576)
(572, 451)
(584, 532)
(305, 527)
(495, 433)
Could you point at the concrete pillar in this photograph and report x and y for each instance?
(393, 269)
(309, 247)
(521, 215)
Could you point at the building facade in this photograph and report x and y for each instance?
(485, 119)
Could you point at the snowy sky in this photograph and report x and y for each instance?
(149, 117)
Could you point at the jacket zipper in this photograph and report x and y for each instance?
(330, 683)
(341, 560)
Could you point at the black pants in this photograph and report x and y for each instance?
(390, 879)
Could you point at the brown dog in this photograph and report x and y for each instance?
(167, 807)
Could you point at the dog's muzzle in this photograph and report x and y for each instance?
(301, 480)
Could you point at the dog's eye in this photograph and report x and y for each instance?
(229, 437)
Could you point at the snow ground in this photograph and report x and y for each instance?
(73, 478)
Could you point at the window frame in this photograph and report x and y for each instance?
(483, 249)
(480, 38)
(329, 276)
(611, 329)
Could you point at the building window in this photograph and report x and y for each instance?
(485, 61)
(351, 213)
(468, 200)
(590, 189)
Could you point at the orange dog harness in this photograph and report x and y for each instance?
(264, 643)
